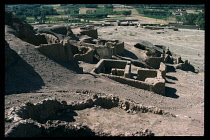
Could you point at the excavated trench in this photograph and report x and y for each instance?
(96, 116)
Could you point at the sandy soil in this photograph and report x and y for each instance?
(184, 90)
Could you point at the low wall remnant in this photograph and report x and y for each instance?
(120, 71)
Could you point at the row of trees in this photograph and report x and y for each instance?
(193, 19)
(168, 6)
(155, 12)
(108, 11)
(33, 10)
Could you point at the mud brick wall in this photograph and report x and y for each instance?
(157, 86)
(42, 39)
(99, 66)
(163, 69)
(127, 72)
(154, 62)
(91, 32)
(119, 48)
(118, 72)
(104, 52)
(109, 64)
(142, 74)
(86, 57)
(115, 64)
(56, 51)
(131, 82)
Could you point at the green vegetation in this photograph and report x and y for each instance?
(33, 10)
(91, 5)
(108, 6)
(71, 11)
(64, 6)
(108, 11)
(192, 19)
(158, 14)
(168, 6)
(154, 12)
(117, 12)
(200, 20)
(49, 12)
(126, 13)
(105, 10)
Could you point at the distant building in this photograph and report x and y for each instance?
(180, 12)
(74, 20)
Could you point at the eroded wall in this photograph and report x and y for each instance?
(148, 79)
(86, 57)
(142, 74)
(154, 62)
(56, 51)
(90, 32)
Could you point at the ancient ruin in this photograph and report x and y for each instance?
(82, 44)
(71, 81)
(120, 71)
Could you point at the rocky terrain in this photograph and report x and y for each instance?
(31, 77)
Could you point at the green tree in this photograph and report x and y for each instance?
(190, 18)
(178, 18)
(43, 16)
(126, 13)
(200, 20)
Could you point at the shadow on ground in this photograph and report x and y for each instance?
(67, 117)
(129, 54)
(169, 82)
(171, 92)
(171, 77)
(70, 65)
(22, 78)
(170, 68)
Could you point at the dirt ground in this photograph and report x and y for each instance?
(184, 90)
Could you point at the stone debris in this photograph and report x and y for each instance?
(44, 115)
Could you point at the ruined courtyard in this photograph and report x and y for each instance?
(143, 82)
